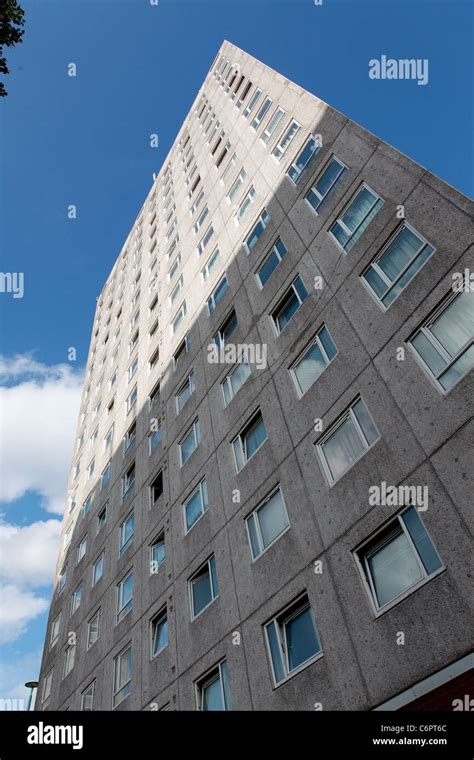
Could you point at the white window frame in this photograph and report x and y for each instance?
(188, 382)
(120, 609)
(316, 340)
(361, 557)
(214, 592)
(280, 148)
(204, 498)
(254, 514)
(195, 428)
(240, 438)
(346, 229)
(425, 329)
(347, 414)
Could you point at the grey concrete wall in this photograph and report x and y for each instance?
(424, 436)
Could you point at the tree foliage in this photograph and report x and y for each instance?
(12, 18)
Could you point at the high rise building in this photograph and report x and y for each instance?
(268, 501)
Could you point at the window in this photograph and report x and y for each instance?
(134, 342)
(130, 437)
(347, 441)
(397, 560)
(124, 596)
(68, 537)
(289, 305)
(261, 113)
(87, 697)
(62, 578)
(108, 438)
(285, 142)
(102, 517)
(157, 553)
(258, 229)
(252, 103)
(128, 481)
(87, 505)
(314, 360)
(228, 169)
(132, 369)
(200, 220)
(223, 154)
(195, 506)
(271, 262)
(159, 632)
(153, 361)
(69, 658)
(213, 690)
(216, 296)
(154, 396)
(304, 158)
(154, 437)
(90, 469)
(98, 569)
(176, 290)
(243, 94)
(326, 184)
(47, 686)
(132, 400)
(203, 588)
(93, 629)
(395, 267)
(181, 351)
(249, 440)
(235, 380)
(81, 549)
(54, 635)
(156, 488)
(185, 391)
(105, 477)
(272, 125)
(231, 195)
(205, 240)
(444, 343)
(178, 318)
(292, 640)
(76, 599)
(210, 265)
(348, 228)
(197, 202)
(77, 469)
(135, 318)
(127, 529)
(189, 443)
(267, 523)
(122, 676)
(226, 329)
(174, 267)
(245, 205)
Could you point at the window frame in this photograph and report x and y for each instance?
(203, 490)
(345, 209)
(387, 534)
(254, 514)
(348, 413)
(315, 340)
(390, 285)
(214, 592)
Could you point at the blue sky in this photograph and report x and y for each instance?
(85, 141)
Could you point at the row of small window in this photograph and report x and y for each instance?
(396, 561)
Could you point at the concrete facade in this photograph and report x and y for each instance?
(425, 435)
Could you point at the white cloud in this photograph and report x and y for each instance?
(28, 554)
(14, 672)
(37, 425)
(17, 608)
